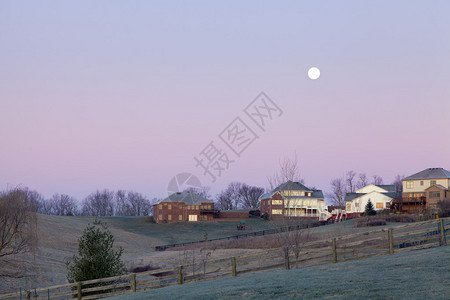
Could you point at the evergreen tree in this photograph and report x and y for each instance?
(96, 256)
(369, 210)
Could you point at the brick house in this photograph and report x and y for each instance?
(182, 207)
(293, 199)
(422, 191)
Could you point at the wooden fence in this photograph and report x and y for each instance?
(349, 247)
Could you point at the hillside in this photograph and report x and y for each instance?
(420, 274)
(138, 236)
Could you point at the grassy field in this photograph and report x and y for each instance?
(420, 274)
(138, 236)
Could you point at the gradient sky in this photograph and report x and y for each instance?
(123, 94)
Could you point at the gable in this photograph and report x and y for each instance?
(372, 188)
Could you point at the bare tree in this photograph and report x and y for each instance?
(398, 183)
(350, 180)
(18, 233)
(250, 195)
(99, 203)
(289, 170)
(377, 180)
(338, 190)
(63, 205)
(230, 197)
(140, 206)
(362, 181)
(121, 202)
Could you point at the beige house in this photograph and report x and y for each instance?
(423, 190)
(293, 199)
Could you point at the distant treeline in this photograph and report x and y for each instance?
(99, 203)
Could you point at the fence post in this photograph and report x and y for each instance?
(180, 274)
(333, 247)
(133, 283)
(442, 230)
(233, 266)
(391, 241)
(286, 257)
(79, 291)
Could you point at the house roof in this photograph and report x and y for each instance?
(353, 196)
(187, 197)
(430, 173)
(438, 186)
(293, 186)
(387, 187)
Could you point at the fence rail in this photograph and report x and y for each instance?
(343, 248)
(243, 235)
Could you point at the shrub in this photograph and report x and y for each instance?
(367, 222)
(444, 208)
(400, 218)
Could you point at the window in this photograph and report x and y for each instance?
(432, 182)
(169, 217)
(160, 217)
(277, 202)
(192, 218)
(349, 207)
(410, 184)
(180, 217)
(277, 212)
(189, 207)
(170, 206)
(356, 204)
(379, 204)
(435, 194)
(421, 183)
(160, 206)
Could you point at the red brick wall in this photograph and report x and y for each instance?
(170, 212)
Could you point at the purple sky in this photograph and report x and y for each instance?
(123, 95)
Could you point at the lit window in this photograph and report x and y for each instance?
(170, 206)
(409, 184)
(349, 206)
(160, 206)
(277, 202)
(277, 212)
(180, 217)
(379, 205)
(192, 218)
(169, 217)
(160, 217)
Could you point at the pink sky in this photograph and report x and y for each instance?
(124, 95)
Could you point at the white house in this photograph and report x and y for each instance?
(380, 196)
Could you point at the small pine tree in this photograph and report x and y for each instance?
(369, 210)
(96, 256)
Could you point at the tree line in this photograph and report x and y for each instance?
(99, 203)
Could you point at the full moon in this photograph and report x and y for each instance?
(313, 73)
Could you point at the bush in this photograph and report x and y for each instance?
(400, 218)
(367, 222)
(444, 208)
(265, 217)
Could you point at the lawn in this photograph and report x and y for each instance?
(420, 274)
